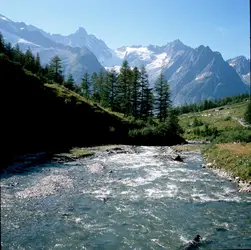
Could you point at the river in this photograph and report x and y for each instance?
(152, 202)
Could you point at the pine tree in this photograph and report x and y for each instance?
(98, 94)
(2, 44)
(29, 61)
(124, 89)
(18, 55)
(9, 51)
(93, 84)
(38, 66)
(70, 83)
(135, 92)
(55, 70)
(113, 85)
(109, 90)
(146, 96)
(162, 99)
(85, 85)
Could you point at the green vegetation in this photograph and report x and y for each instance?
(76, 153)
(230, 146)
(209, 104)
(217, 125)
(235, 158)
(247, 115)
(45, 112)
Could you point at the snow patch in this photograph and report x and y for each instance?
(116, 68)
(5, 19)
(246, 78)
(179, 69)
(143, 52)
(202, 76)
(160, 61)
(21, 40)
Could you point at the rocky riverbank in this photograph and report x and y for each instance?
(243, 185)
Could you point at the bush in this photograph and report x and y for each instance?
(235, 135)
(197, 123)
(247, 115)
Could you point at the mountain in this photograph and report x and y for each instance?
(76, 60)
(242, 66)
(81, 38)
(193, 74)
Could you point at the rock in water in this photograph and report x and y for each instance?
(177, 158)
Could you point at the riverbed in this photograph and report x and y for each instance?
(137, 199)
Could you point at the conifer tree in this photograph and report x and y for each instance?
(162, 99)
(9, 51)
(70, 83)
(85, 85)
(18, 55)
(37, 63)
(98, 93)
(135, 92)
(146, 96)
(113, 84)
(124, 89)
(2, 44)
(108, 95)
(55, 70)
(93, 84)
(29, 61)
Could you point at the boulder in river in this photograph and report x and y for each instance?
(177, 158)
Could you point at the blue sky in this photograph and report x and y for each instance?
(223, 25)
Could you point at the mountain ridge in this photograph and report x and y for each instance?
(194, 74)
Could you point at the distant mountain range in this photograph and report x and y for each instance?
(193, 74)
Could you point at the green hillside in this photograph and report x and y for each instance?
(230, 137)
(40, 117)
(221, 124)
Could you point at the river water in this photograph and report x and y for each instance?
(153, 203)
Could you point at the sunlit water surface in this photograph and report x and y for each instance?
(153, 203)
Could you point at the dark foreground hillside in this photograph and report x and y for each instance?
(38, 117)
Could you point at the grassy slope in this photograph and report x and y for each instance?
(42, 117)
(231, 155)
(223, 120)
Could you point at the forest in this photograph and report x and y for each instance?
(45, 111)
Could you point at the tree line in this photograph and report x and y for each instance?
(127, 91)
(209, 104)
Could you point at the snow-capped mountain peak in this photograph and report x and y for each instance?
(193, 74)
(4, 18)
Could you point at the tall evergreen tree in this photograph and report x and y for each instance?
(18, 55)
(55, 70)
(135, 92)
(94, 78)
(2, 44)
(98, 87)
(162, 99)
(85, 85)
(38, 66)
(70, 83)
(146, 95)
(109, 89)
(124, 88)
(29, 61)
(9, 51)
